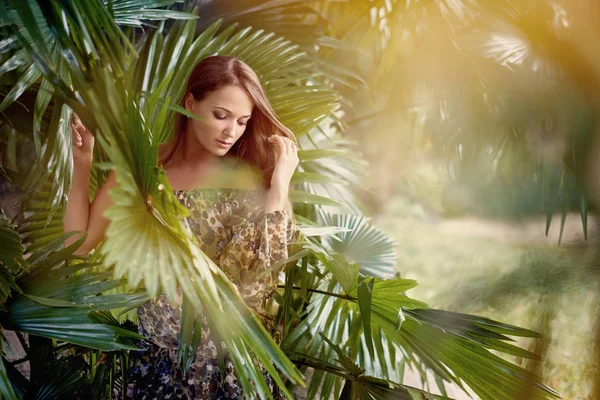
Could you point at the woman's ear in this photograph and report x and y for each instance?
(189, 102)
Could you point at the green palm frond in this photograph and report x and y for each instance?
(62, 378)
(63, 303)
(53, 143)
(297, 20)
(6, 388)
(40, 226)
(54, 371)
(54, 300)
(452, 346)
(363, 243)
(357, 385)
(327, 154)
(139, 13)
(48, 165)
(11, 259)
(59, 302)
(124, 13)
(360, 386)
(104, 373)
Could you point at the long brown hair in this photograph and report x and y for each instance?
(216, 71)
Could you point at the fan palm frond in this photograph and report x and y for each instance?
(55, 140)
(325, 153)
(453, 346)
(11, 259)
(364, 244)
(357, 385)
(297, 20)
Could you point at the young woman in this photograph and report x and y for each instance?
(244, 230)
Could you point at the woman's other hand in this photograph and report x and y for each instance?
(286, 161)
(83, 141)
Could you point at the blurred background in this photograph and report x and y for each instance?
(479, 123)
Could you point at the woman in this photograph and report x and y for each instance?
(244, 230)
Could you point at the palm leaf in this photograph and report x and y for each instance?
(63, 303)
(364, 244)
(325, 153)
(360, 386)
(53, 155)
(11, 258)
(6, 388)
(138, 13)
(453, 346)
(62, 378)
(296, 20)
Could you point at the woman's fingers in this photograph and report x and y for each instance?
(80, 128)
(76, 122)
(286, 146)
(77, 140)
(289, 145)
(278, 142)
(82, 140)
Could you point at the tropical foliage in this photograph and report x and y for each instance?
(122, 66)
(502, 91)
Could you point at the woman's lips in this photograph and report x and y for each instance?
(223, 143)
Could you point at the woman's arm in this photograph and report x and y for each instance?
(79, 214)
(277, 199)
(86, 217)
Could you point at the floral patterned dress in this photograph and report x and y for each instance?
(244, 241)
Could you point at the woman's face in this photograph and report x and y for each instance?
(225, 113)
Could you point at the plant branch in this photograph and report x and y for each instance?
(318, 366)
(341, 296)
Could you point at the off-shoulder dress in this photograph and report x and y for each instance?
(232, 228)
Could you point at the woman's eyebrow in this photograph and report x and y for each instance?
(223, 108)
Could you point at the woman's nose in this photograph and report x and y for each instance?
(231, 129)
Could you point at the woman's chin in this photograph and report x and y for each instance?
(219, 152)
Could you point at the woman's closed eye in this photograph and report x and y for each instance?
(222, 117)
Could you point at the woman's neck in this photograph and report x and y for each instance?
(192, 155)
(185, 166)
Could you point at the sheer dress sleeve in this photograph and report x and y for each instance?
(256, 242)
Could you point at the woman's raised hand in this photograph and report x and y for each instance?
(286, 161)
(83, 141)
